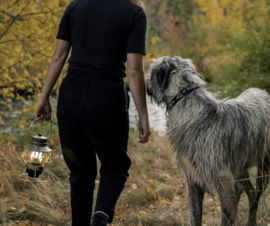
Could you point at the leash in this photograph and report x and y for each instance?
(183, 92)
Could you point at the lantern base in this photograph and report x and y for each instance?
(26, 177)
(34, 173)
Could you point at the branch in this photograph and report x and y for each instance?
(8, 14)
(13, 4)
(42, 53)
(16, 63)
(8, 41)
(23, 43)
(14, 20)
(28, 14)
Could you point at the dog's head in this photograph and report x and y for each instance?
(168, 75)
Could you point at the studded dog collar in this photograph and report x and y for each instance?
(183, 92)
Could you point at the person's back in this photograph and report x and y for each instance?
(102, 32)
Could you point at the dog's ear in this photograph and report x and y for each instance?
(200, 76)
(163, 75)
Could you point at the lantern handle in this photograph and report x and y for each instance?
(31, 125)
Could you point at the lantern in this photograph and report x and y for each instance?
(36, 156)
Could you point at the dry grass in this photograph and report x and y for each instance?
(155, 194)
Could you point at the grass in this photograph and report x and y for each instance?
(154, 195)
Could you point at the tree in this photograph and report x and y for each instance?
(27, 38)
(236, 43)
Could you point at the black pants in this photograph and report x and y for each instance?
(92, 115)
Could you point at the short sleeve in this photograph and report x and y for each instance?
(137, 34)
(64, 30)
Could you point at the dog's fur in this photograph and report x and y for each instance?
(217, 141)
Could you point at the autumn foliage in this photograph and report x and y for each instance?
(27, 39)
(229, 42)
(227, 39)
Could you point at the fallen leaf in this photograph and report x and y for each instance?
(4, 200)
(22, 209)
(134, 186)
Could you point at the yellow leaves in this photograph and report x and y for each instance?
(134, 186)
(17, 49)
(7, 77)
(3, 200)
(54, 4)
(203, 219)
(32, 52)
(151, 194)
(29, 40)
(13, 70)
(153, 182)
(154, 40)
(23, 27)
(151, 138)
(229, 12)
(213, 9)
(142, 212)
(148, 189)
(9, 100)
(37, 81)
(225, 21)
(165, 201)
(20, 85)
(151, 55)
(4, 92)
(56, 212)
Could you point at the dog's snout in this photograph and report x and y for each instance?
(148, 90)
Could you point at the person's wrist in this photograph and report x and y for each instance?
(44, 97)
(143, 116)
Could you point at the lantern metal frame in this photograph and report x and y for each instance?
(37, 168)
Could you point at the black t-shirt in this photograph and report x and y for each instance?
(101, 33)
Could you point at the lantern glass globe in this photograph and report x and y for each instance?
(36, 158)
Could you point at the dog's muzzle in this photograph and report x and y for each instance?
(148, 90)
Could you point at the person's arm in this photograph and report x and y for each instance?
(135, 73)
(136, 81)
(63, 44)
(58, 60)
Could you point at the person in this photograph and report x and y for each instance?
(93, 103)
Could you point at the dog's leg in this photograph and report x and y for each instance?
(229, 194)
(255, 195)
(195, 199)
(261, 184)
(239, 190)
(251, 193)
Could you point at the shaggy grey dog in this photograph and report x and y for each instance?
(217, 141)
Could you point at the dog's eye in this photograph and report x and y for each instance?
(154, 71)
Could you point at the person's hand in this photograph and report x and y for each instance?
(44, 109)
(144, 130)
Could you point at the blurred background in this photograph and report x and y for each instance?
(228, 41)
